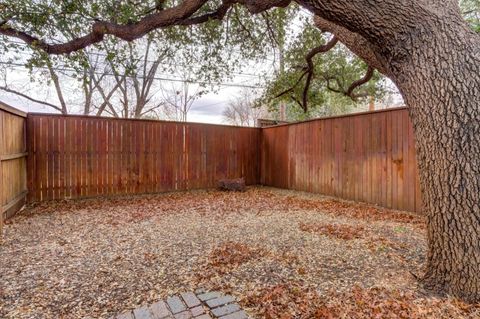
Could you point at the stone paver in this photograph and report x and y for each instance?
(200, 291)
(197, 311)
(236, 315)
(190, 299)
(220, 301)
(226, 310)
(160, 310)
(142, 313)
(176, 304)
(200, 304)
(183, 315)
(209, 295)
(126, 315)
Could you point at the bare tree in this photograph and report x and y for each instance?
(51, 75)
(242, 110)
(135, 78)
(179, 98)
(81, 90)
(123, 87)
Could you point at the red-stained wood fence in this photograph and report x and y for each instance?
(367, 157)
(82, 156)
(13, 181)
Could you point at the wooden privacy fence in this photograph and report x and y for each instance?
(367, 157)
(81, 156)
(13, 181)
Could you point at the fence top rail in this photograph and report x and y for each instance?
(93, 117)
(392, 109)
(7, 108)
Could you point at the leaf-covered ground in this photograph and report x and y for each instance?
(283, 254)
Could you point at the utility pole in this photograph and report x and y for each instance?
(281, 51)
(371, 105)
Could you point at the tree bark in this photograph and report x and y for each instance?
(355, 42)
(434, 59)
(441, 86)
(58, 88)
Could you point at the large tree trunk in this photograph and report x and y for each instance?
(427, 49)
(441, 86)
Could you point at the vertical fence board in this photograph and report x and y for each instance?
(368, 157)
(80, 156)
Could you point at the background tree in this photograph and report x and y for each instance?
(116, 81)
(179, 98)
(471, 12)
(326, 85)
(134, 68)
(243, 110)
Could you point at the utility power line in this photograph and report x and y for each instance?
(164, 63)
(21, 66)
(105, 55)
(241, 74)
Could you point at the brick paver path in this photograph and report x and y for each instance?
(189, 305)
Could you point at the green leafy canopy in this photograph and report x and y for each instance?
(211, 51)
(338, 65)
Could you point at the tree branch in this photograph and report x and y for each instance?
(218, 14)
(6, 89)
(355, 43)
(292, 87)
(367, 77)
(331, 88)
(309, 72)
(350, 90)
(180, 14)
(127, 32)
(58, 88)
(310, 67)
(296, 100)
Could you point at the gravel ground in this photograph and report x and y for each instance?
(96, 257)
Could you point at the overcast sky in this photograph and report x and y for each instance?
(207, 109)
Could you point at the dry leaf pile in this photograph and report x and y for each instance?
(225, 258)
(97, 257)
(284, 301)
(230, 255)
(293, 300)
(345, 232)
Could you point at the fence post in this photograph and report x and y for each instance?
(2, 137)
